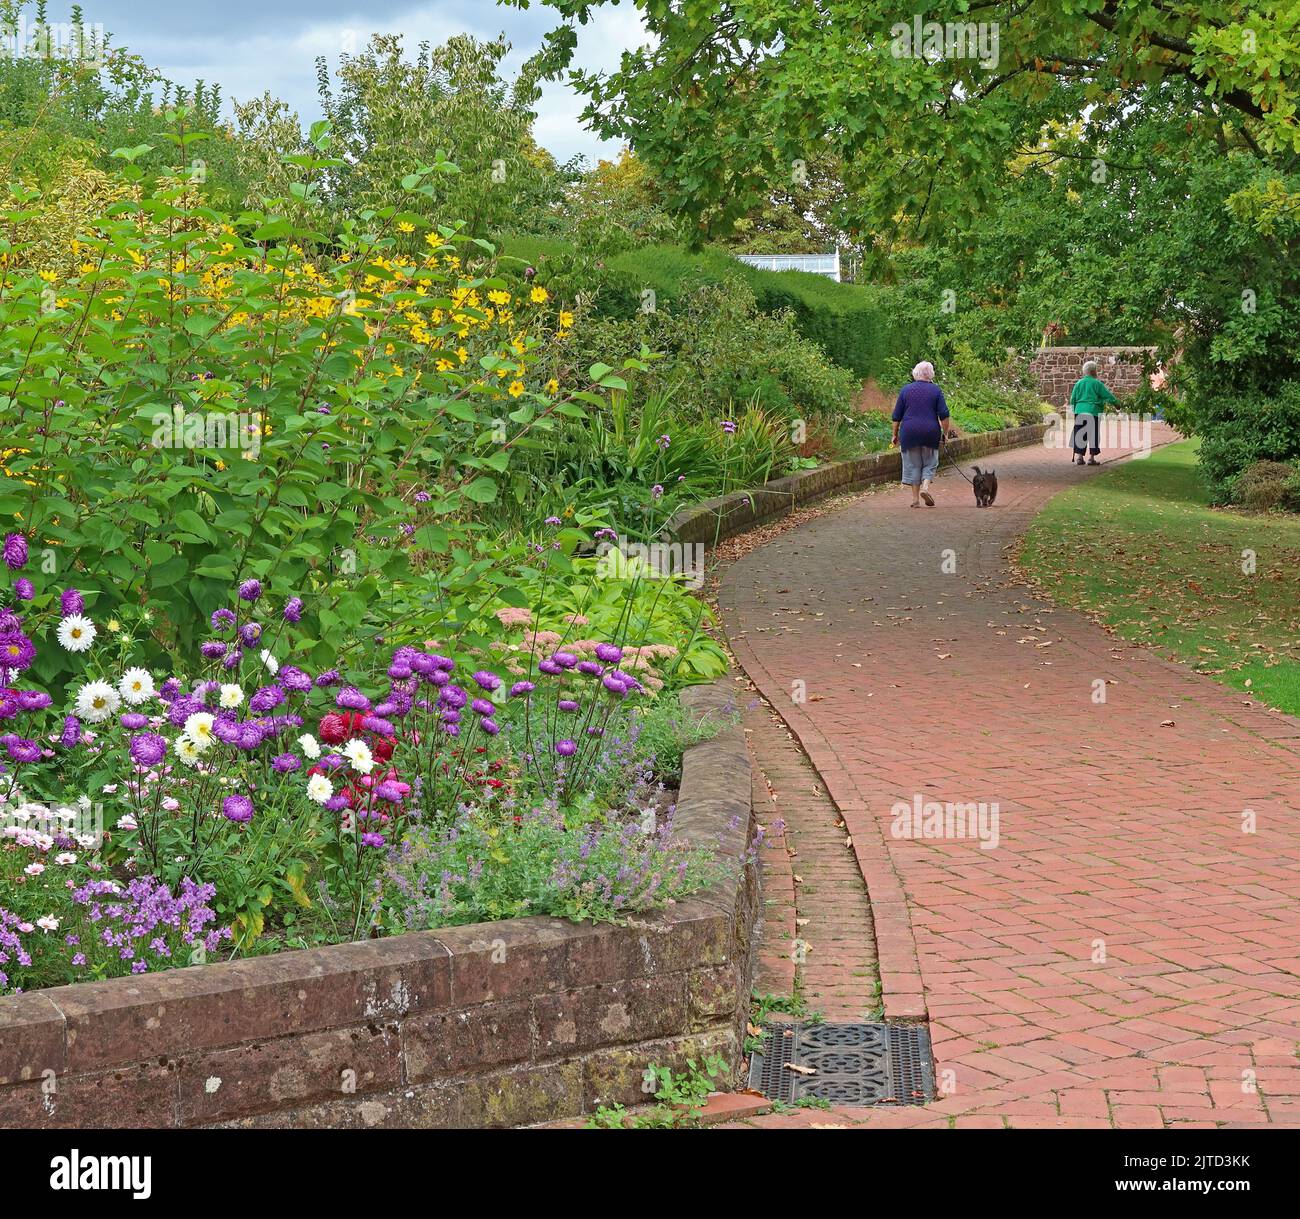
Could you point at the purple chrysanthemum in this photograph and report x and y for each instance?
(15, 551)
(237, 808)
(267, 698)
(250, 590)
(133, 721)
(214, 649)
(250, 632)
(294, 679)
(490, 726)
(567, 704)
(609, 652)
(481, 706)
(71, 733)
(566, 748)
(521, 688)
(222, 619)
(293, 609)
(148, 749)
(329, 678)
(23, 589)
(23, 750)
(33, 700)
(352, 698)
(285, 762)
(71, 602)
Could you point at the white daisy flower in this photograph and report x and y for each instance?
(232, 694)
(358, 753)
(34, 869)
(65, 858)
(198, 727)
(48, 923)
(126, 822)
(309, 745)
(270, 662)
(76, 633)
(136, 686)
(319, 788)
(187, 750)
(97, 701)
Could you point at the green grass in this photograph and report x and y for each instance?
(1140, 549)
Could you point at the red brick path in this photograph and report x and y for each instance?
(1126, 955)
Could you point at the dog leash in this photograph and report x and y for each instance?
(952, 461)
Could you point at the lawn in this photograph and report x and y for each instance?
(1139, 549)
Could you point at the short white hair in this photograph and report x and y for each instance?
(1090, 368)
(924, 371)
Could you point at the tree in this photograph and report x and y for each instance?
(391, 114)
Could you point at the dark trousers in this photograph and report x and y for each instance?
(1087, 434)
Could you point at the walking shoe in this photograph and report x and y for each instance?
(1092, 461)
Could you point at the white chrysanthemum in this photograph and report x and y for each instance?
(136, 686)
(270, 662)
(97, 701)
(65, 858)
(358, 754)
(48, 923)
(232, 694)
(187, 750)
(76, 633)
(198, 727)
(309, 745)
(319, 788)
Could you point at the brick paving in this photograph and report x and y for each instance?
(1126, 954)
(818, 940)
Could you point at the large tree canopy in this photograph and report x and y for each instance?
(728, 97)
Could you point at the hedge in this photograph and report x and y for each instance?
(849, 321)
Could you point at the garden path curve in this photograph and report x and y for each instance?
(1126, 955)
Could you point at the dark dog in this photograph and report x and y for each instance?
(985, 483)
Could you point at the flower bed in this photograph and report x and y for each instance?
(494, 1024)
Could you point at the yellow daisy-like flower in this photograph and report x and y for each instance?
(50, 277)
(539, 296)
(406, 227)
(516, 388)
(552, 386)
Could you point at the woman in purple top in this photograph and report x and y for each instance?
(920, 414)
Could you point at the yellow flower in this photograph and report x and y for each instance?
(113, 625)
(539, 296)
(566, 318)
(552, 386)
(516, 388)
(50, 277)
(406, 227)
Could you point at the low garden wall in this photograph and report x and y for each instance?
(495, 1024)
(1058, 368)
(729, 515)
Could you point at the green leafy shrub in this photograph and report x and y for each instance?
(1239, 429)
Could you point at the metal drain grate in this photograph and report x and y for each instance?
(851, 1064)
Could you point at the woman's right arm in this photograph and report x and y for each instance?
(899, 411)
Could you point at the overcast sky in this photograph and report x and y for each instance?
(248, 46)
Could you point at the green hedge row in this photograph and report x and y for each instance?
(849, 321)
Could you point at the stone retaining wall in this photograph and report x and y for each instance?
(1058, 368)
(495, 1024)
(729, 515)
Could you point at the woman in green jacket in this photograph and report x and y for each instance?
(1088, 399)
